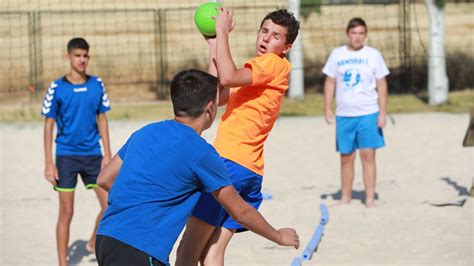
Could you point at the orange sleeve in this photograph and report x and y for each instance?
(264, 68)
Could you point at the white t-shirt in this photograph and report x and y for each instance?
(356, 73)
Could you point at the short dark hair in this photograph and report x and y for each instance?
(191, 90)
(286, 19)
(356, 22)
(77, 43)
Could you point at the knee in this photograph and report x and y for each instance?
(367, 158)
(347, 160)
(65, 214)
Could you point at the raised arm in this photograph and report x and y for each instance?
(229, 75)
(251, 219)
(224, 92)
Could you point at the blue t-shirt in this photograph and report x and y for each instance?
(165, 167)
(75, 109)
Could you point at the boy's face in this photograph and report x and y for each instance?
(79, 59)
(271, 38)
(356, 37)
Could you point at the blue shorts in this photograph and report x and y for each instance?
(360, 132)
(247, 183)
(71, 166)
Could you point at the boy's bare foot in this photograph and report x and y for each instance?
(340, 202)
(90, 248)
(370, 204)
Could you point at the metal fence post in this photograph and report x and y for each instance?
(160, 52)
(35, 55)
(405, 44)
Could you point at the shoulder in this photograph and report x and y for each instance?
(337, 52)
(57, 82)
(270, 62)
(55, 85)
(95, 80)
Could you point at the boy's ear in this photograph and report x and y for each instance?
(209, 107)
(287, 49)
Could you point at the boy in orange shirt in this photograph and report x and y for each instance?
(253, 104)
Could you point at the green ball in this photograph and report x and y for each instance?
(203, 18)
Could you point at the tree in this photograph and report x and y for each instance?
(437, 77)
(300, 8)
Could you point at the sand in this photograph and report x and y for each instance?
(424, 216)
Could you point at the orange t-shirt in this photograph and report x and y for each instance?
(252, 111)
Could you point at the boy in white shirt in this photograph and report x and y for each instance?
(356, 72)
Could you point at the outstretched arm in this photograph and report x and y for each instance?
(107, 175)
(249, 217)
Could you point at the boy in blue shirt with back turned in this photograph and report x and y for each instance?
(77, 103)
(157, 177)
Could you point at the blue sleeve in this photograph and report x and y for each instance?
(123, 151)
(50, 103)
(211, 172)
(104, 100)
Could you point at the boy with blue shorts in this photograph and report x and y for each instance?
(77, 103)
(157, 177)
(357, 73)
(253, 95)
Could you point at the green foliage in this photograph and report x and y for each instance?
(310, 6)
(440, 3)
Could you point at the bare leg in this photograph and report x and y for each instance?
(347, 178)
(369, 170)
(193, 242)
(102, 197)
(215, 250)
(66, 211)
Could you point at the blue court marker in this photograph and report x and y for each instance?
(315, 240)
(266, 196)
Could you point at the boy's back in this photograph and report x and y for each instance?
(154, 181)
(252, 111)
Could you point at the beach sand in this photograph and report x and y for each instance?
(424, 216)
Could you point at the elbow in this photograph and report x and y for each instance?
(102, 183)
(226, 82)
(241, 214)
(225, 79)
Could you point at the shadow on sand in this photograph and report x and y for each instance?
(77, 252)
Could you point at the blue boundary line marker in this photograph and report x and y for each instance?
(315, 239)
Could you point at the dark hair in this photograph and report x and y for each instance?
(356, 22)
(191, 90)
(77, 43)
(286, 19)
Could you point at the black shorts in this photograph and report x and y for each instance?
(110, 251)
(71, 166)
